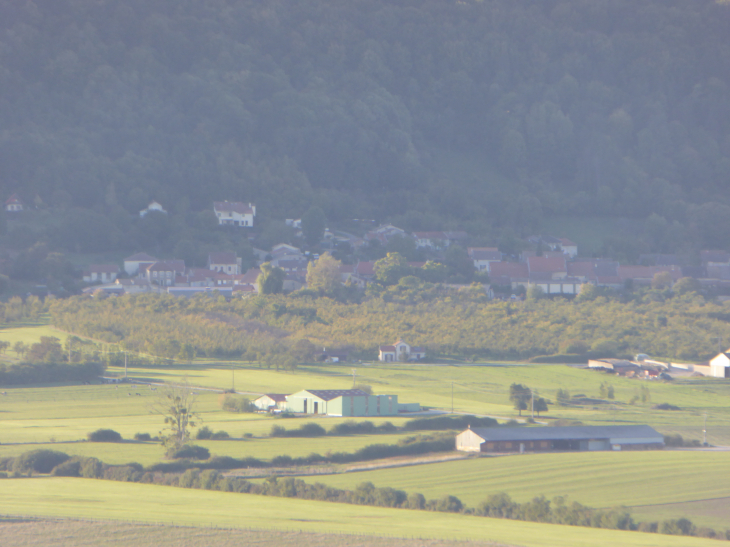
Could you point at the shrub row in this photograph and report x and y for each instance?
(539, 509)
(448, 422)
(351, 427)
(36, 373)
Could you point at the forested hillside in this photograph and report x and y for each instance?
(282, 331)
(617, 107)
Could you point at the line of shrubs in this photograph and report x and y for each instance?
(36, 373)
(500, 505)
(351, 427)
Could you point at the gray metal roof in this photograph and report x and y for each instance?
(583, 432)
(329, 394)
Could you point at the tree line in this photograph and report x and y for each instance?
(539, 509)
(563, 108)
(280, 331)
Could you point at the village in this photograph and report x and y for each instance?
(552, 265)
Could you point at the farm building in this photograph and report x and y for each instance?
(400, 351)
(720, 365)
(271, 401)
(345, 402)
(537, 439)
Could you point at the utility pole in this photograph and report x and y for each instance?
(532, 403)
(354, 374)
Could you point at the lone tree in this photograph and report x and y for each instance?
(520, 396)
(176, 404)
(324, 275)
(271, 279)
(540, 405)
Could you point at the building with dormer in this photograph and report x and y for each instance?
(234, 213)
(401, 351)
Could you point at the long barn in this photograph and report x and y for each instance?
(541, 439)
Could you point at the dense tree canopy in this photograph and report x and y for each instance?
(363, 108)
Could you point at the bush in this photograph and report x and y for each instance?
(310, 429)
(450, 504)
(191, 451)
(352, 427)
(233, 403)
(38, 461)
(31, 373)
(678, 527)
(142, 437)
(104, 436)
(204, 433)
(132, 472)
(91, 468)
(665, 406)
(448, 422)
(69, 468)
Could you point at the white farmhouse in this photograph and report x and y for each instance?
(153, 206)
(400, 351)
(720, 365)
(234, 213)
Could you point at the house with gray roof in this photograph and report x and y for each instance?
(345, 402)
(542, 439)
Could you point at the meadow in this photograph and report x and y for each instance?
(646, 480)
(657, 485)
(74, 533)
(86, 498)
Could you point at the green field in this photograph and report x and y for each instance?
(74, 533)
(483, 389)
(597, 479)
(658, 485)
(81, 498)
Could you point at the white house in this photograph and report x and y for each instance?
(153, 206)
(106, 273)
(164, 272)
(271, 401)
(720, 365)
(132, 264)
(223, 262)
(13, 204)
(234, 213)
(483, 257)
(400, 351)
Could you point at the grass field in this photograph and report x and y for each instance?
(659, 485)
(73, 533)
(484, 390)
(82, 498)
(597, 479)
(59, 417)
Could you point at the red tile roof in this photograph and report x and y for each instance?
(104, 268)
(233, 207)
(542, 264)
(512, 270)
(140, 257)
(222, 258)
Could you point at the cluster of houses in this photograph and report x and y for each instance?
(643, 367)
(145, 273)
(334, 402)
(553, 265)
